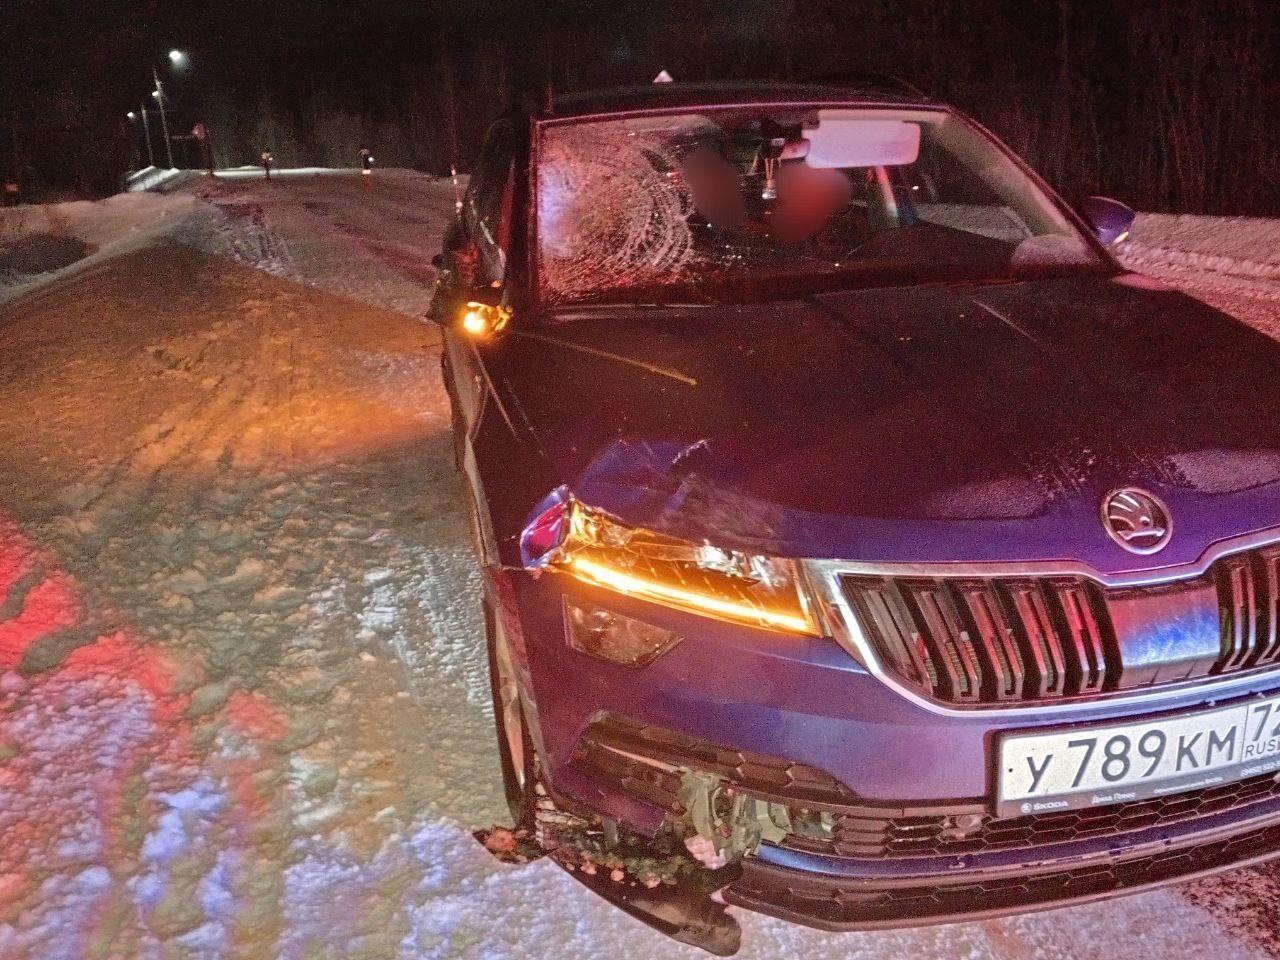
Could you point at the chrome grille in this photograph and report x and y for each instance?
(1248, 592)
(987, 641)
(1039, 639)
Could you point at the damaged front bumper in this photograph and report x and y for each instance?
(836, 863)
(762, 748)
(782, 839)
(671, 881)
(796, 892)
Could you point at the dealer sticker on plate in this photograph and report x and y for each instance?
(1095, 766)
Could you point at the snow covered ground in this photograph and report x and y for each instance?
(243, 700)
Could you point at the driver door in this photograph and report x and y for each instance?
(475, 256)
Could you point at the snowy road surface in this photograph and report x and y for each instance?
(242, 688)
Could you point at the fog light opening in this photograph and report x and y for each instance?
(601, 633)
(809, 824)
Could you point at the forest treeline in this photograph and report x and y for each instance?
(1167, 104)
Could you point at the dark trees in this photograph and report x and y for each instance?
(1167, 104)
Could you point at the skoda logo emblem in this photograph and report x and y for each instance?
(1136, 520)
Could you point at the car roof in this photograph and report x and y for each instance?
(662, 96)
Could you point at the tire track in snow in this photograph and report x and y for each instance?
(244, 228)
(371, 240)
(216, 530)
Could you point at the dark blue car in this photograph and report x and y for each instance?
(861, 544)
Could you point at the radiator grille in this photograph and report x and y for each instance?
(988, 641)
(1040, 639)
(1248, 593)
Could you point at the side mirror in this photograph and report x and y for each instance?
(479, 312)
(1111, 220)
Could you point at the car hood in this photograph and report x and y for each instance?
(933, 424)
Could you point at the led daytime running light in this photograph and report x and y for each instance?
(614, 579)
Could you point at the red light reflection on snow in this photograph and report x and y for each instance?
(38, 601)
(51, 605)
(254, 717)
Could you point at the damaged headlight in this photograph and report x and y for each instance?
(701, 578)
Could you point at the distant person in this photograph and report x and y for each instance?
(366, 162)
(201, 134)
(267, 160)
(12, 192)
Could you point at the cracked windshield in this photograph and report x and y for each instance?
(760, 204)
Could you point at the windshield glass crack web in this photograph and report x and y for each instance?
(612, 211)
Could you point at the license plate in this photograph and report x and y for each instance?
(1096, 766)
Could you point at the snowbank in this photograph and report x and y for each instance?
(154, 178)
(1231, 262)
(106, 228)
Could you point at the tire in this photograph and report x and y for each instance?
(519, 773)
(455, 421)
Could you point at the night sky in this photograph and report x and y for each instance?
(1172, 104)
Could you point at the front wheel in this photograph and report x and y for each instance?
(456, 425)
(515, 746)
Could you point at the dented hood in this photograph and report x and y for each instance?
(911, 424)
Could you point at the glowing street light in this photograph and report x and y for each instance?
(158, 93)
(146, 132)
(179, 60)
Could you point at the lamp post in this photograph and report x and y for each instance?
(164, 120)
(146, 132)
(179, 60)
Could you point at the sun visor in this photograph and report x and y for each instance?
(841, 140)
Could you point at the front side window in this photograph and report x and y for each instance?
(487, 208)
(761, 203)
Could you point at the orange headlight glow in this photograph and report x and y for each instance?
(726, 585)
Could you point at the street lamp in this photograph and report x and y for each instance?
(146, 132)
(179, 60)
(158, 93)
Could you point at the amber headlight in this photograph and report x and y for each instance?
(701, 578)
